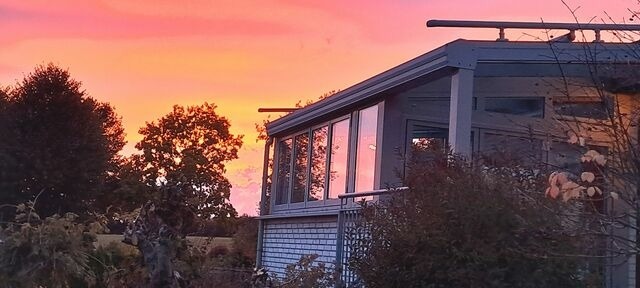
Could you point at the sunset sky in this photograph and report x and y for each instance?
(145, 56)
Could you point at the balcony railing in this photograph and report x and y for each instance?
(350, 213)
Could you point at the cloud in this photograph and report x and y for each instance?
(71, 20)
(245, 193)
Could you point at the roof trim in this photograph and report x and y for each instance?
(463, 54)
(422, 65)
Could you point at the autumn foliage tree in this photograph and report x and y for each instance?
(182, 166)
(56, 139)
(189, 148)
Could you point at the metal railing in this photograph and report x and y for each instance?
(350, 213)
(502, 25)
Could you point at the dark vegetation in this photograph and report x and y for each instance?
(57, 140)
(62, 182)
(466, 225)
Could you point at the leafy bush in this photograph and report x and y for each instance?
(465, 226)
(307, 273)
(52, 252)
(245, 239)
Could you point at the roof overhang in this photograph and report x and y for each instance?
(459, 54)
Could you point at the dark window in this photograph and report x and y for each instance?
(585, 109)
(318, 164)
(426, 137)
(530, 107)
(508, 150)
(284, 171)
(300, 168)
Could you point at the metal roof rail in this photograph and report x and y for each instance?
(502, 25)
(277, 110)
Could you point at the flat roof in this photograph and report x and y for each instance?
(458, 54)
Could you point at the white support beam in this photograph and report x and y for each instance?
(460, 111)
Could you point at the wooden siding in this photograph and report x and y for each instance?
(286, 240)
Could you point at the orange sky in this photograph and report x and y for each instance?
(145, 56)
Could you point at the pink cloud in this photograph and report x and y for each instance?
(21, 21)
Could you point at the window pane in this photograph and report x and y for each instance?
(530, 107)
(338, 165)
(508, 150)
(565, 156)
(366, 149)
(595, 110)
(318, 164)
(284, 171)
(425, 137)
(300, 168)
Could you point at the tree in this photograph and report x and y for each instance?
(463, 225)
(182, 167)
(57, 140)
(601, 136)
(189, 148)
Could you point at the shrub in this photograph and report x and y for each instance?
(307, 273)
(465, 226)
(52, 252)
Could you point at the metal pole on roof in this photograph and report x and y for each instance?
(532, 25)
(502, 25)
(277, 110)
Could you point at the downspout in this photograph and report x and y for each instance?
(263, 205)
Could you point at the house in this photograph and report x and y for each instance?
(479, 97)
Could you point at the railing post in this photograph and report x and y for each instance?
(340, 243)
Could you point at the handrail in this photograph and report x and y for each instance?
(501, 25)
(532, 25)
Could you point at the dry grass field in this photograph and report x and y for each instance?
(197, 241)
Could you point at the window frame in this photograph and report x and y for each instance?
(309, 131)
(352, 138)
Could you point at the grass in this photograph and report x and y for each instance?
(197, 241)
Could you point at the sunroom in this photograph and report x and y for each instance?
(477, 97)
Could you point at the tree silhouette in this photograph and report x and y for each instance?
(188, 148)
(56, 139)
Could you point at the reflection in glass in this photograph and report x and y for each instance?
(429, 138)
(300, 165)
(530, 107)
(593, 109)
(366, 149)
(338, 165)
(318, 163)
(284, 171)
(567, 157)
(504, 149)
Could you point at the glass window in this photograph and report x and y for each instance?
(425, 137)
(366, 149)
(284, 171)
(338, 158)
(565, 156)
(586, 109)
(318, 163)
(505, 150)
(530, 107)
(300, 168)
